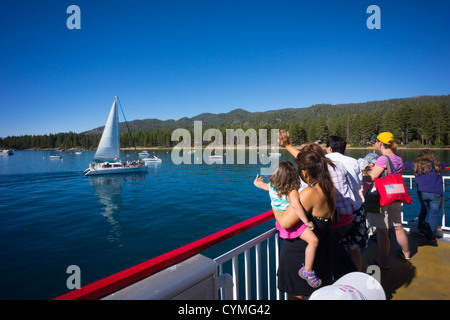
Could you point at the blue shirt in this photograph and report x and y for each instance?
(430, 182)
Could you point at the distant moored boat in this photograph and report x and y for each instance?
(6, 153)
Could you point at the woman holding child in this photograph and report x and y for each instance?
(318, 201)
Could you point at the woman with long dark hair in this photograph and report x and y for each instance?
(283, 191)
(318, 201)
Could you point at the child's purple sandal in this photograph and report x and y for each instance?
(310, 277)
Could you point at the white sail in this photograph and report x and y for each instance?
(109, 146)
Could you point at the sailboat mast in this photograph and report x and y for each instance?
(131, 137)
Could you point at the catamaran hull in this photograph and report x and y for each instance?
(91, 172)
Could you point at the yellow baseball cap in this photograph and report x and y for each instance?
(386, 137)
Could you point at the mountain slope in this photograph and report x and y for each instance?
(239, 117)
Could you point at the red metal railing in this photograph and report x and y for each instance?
(129, 276)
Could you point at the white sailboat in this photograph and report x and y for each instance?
(106, 160)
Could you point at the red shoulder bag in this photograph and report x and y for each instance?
(392, 188)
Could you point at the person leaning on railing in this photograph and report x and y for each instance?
(428, 174)
(390, 216)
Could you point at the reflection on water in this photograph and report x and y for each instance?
(109, 190)
(153, 166)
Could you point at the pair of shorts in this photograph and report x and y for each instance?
(293, 232)
(390, 216)
(357, 237)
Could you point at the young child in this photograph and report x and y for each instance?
(369, 194)
(366, 164)
(428, 172)
(283, 191)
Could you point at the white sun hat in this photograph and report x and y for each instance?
(363, 163)
(352, 286)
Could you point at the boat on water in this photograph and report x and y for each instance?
(144, 154)
(107, 157)
(155, 159)
(55, 157)
(6, 153)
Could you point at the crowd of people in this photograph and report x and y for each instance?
(135, 163)
(324, 205)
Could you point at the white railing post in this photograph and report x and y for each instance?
(444, 226)
(277, 261)
(248, 291)
(234, 262)
(258, 270)
(268, 269)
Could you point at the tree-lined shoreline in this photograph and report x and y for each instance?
(417, 122)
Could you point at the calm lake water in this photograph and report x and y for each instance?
(52, 216)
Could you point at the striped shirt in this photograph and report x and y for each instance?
(278, 203)
(344, 202)
(354, 175)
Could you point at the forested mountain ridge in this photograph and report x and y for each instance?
(243, 118)
(416, 121)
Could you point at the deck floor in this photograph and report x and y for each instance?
(425, 277)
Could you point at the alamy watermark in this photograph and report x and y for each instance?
(74, 20)
(374, 21)
(235, 141)
(74, 280)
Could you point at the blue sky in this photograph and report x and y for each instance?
(169, 59)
